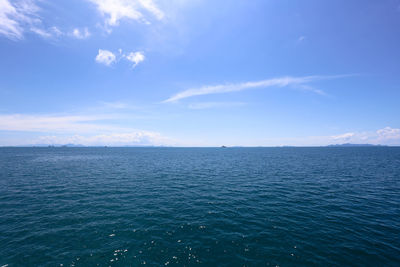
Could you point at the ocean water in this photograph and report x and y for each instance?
(200, 206)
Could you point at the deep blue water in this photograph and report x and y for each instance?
(200, 206)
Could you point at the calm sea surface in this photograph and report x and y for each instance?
(200, 206)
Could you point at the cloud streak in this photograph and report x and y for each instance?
(55, 123)
(300, 82)
(19, 17)
(209, 105)
(14, 16)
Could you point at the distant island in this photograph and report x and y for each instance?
(72, 145)
(353, 145)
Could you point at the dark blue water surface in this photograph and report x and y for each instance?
(200, 206)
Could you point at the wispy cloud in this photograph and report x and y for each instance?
(80, 33)
(18, 17)
(208, 105)
(118, 105)
(42, 32)
(22, 16)
(306, 87)
(344, 136)
(56, 31)
(116, 10)
(301, 82)
(301, 38)
(54, 123)
(151, 7)
(15, 16)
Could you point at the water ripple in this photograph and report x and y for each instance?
(199, 206)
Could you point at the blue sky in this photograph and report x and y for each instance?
(199, 73)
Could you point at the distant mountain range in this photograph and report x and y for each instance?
(53, 145)
(79, 145)
(353, 145)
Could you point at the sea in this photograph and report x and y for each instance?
(286, 206)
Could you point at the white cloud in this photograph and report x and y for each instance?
(226, 88)
(152, 8)
(81, 34)
(385, 136)
(389, 133)
(43, 33)
(18, 17)
(105, 57)
(56, 31)
(306, 87)
(135, 58)
(9, 27)
(78, 129)
(15, 16)
(51, 32)
(343, 136)
(115, 10)
(132, 138)
(21, 16)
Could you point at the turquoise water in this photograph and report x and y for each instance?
(200, 206)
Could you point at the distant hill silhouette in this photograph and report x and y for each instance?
(352, 145)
